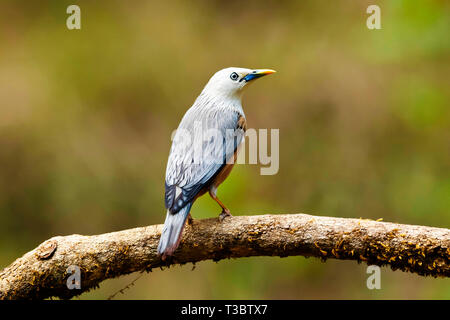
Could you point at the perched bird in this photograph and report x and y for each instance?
(199, 164)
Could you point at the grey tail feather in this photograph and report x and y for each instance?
(173, 228)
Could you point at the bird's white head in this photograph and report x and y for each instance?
(229, 82)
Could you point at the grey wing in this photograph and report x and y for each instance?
(194, 161)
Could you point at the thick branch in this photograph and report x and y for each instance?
(42, 273)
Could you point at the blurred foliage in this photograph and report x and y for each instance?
(364, 120)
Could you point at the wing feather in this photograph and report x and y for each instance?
(193, 163)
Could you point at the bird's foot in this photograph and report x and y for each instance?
(225, 213)
(190, 220)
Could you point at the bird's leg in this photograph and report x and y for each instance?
(190, 220)
(225, 212)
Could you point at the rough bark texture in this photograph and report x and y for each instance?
(42, 272)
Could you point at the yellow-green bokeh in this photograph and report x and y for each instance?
(364, 119)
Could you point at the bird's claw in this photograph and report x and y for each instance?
(225, 213)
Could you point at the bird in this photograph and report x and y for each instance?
(199, 164)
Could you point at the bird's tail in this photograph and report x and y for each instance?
(173, 228)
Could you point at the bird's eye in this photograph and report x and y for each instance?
(234, 76)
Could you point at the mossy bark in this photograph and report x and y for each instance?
(43, 272)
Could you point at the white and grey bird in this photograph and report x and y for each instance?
(204, 149)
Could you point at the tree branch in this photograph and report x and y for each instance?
(42, 272)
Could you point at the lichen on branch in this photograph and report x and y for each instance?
(43, 272)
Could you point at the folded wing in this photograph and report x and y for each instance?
(201, 146)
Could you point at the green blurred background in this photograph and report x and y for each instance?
(364, 119)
